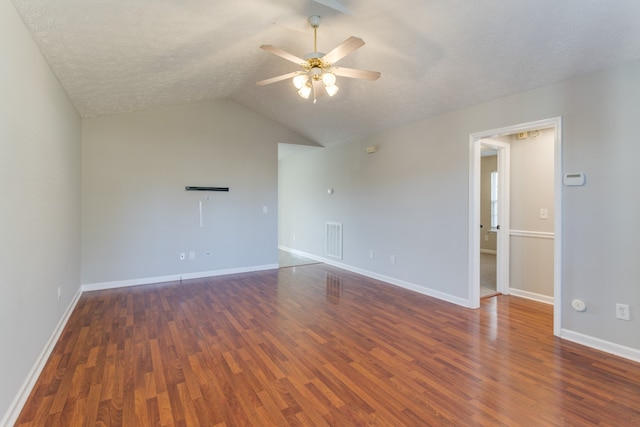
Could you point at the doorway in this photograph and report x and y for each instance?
(493, 137)
(494, 216)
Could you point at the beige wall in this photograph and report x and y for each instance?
(532, 189)
(532, 163)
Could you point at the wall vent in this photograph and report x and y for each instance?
(333, 239)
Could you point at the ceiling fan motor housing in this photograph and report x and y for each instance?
(316, 72)
(313, 55)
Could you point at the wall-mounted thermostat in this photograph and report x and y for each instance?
(573, 179)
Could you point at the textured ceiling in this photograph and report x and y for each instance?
(116, 56)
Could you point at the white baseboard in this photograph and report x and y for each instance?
(13, 412)
(602, 345)
(175, 277)
(393, 281)
(531, 295)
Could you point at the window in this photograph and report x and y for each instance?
(494, 201)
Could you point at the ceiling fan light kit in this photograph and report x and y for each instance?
(318, 74)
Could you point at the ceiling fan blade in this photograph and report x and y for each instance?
(334, 4)
(282, 54)
(279, 78)
(345, 48)
(355, 74)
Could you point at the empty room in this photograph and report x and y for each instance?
(319, 212)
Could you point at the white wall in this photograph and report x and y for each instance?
(137, 216)
(411, 198)
(40, 214)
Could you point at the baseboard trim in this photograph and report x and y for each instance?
(175, 277)
(391, 280)
(531, 295)
(602, 345)
(13, 412)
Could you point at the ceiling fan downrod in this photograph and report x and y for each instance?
(314, 21)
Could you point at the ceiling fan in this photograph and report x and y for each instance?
(318, 73)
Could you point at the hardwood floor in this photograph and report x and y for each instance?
(314, 345)
(488, 286)
(289, 259)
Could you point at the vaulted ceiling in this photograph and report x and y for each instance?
(117, 56)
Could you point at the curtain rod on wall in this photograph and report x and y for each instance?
(189, 188)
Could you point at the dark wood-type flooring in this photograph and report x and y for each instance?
(314, 345)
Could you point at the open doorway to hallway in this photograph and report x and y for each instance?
(528, 224)
(493, 200)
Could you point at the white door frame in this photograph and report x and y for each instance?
(475, 141)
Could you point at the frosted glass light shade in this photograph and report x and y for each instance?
(300, 81)
(305, 91)
(331, 90)
(329, 79)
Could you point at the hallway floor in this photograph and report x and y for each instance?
(487, 275)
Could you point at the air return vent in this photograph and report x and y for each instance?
(333, 239)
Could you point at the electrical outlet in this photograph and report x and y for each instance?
(371, 254)
(622, 312)
(183, 256)
(59, 292)
(392, 259)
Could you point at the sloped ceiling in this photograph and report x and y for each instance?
(117, 56)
